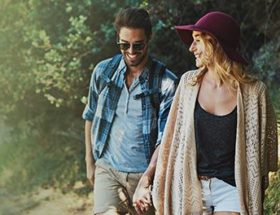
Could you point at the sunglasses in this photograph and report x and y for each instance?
(135, 46)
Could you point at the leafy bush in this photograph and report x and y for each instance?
(272, 201)
(26, 161)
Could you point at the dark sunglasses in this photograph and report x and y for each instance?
(135, 46)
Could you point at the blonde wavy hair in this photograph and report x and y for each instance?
(228, 71)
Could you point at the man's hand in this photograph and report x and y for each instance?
(90, 164)
(142, 200)
(90, 170)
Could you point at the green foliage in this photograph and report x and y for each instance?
(16, 78)
(59, 73)
(266, 61)
(272, 201)
(28, 159)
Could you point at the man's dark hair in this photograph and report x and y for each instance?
(134, 18)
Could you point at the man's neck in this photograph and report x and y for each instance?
(135, 71)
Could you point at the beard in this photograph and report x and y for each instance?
(135, 60)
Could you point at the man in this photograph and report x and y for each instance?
(125, 116)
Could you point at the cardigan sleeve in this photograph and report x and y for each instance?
(162, 162)
(269, 137)
(271, 140)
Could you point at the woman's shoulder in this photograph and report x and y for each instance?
(255, 87)
(190, 76)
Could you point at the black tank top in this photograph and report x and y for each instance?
(215, 144)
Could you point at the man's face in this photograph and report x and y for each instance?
(133, 44)
(197, 48)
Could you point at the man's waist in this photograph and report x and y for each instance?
(108, 164)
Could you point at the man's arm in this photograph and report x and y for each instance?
(150, 171)
(90, 165)
(142, 197)
(88, 116)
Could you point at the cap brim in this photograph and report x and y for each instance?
(185, 32)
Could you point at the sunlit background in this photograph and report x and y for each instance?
(48, 49)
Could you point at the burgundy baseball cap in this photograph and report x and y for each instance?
(222, 27)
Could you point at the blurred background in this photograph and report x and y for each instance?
(48, 49)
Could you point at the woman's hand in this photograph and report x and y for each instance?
(142, 200)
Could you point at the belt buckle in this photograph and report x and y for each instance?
(204, 177)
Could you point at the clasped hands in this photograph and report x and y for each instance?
(142, 198)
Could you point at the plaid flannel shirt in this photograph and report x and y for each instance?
(101, 106)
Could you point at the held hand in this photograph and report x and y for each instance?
(90, 171)
(142, 200)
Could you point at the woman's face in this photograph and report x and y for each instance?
(197, 48)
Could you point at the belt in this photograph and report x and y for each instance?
(204, 177)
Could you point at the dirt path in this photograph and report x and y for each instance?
(54, 202)
(46, 202)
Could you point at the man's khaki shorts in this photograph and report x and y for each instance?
(113, 190)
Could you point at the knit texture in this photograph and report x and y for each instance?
(177, 189)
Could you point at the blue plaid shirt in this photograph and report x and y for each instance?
(102, 105)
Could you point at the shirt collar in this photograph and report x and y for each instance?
(147, 69)
(122, 67)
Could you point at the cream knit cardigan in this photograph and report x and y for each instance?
(177, 189)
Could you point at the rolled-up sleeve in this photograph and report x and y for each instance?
(89, 111)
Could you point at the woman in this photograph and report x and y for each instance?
(220, 140)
